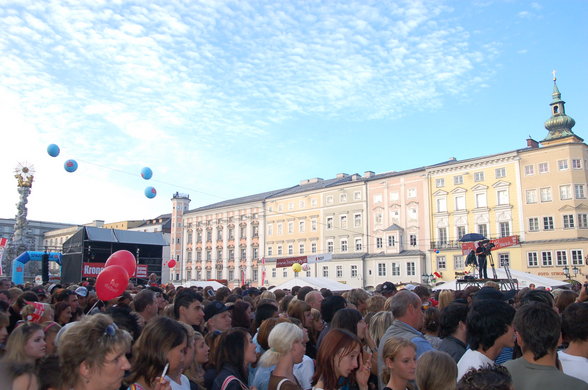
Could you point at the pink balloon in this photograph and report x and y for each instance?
(171, 263)
(111, 282)
(125, 259)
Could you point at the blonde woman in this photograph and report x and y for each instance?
(436, 370)
(287, 346)
(400, 364)
(445, 298)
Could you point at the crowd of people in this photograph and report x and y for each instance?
(161, 337)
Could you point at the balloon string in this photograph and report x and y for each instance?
(92, 308)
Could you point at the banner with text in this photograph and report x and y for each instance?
(91, 270)
(499, 243)
(310, 259)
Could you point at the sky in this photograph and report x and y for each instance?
(223, 99)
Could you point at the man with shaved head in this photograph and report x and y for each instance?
(406, 308)
(314, 299)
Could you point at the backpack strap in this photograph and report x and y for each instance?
(280, 383)
(231, 378)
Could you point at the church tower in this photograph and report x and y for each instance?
(559, 125)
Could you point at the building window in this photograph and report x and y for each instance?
(504, 259)
(461, 231)
(301, 248)
(479, 176)
(395, 269)
(343, 198)
(579, 190)
(280, 250)
(562, 165)
(500, 172)
(460, 203)
(330, 246)
(583, 221)
(280, 229)
(529, 170)
(358, 244)
(532, 259)
(339, 271)
(378, 198)
(441, 205)
(357, 220)
(313, 225)
(568, 221)
(231, 254)
(481, 200)
(545, 194)
(354, 271)
(255, 274)
(547, 223)
(439, 183)
(290, 227)
(457, 180)
(313, 203)
(270, 251)
(483, 229)
(531, 196)
(534, 224)
(577, 257)
(412, 192)
(325, 271)
(441, 236)
(270, 230)
(502, 196)
(394, 195)
(329, 222)
(379, 217)
(208, 255)
(301, 204)
(285, 272)
(308, 273)
(413, 239)
(313, 247)
(543, 167)
(577, 163)
(343, 221)
(357, 195)
(344, 245)
(458, 262)
(565, 192)
(441, 264)
(301, 226)
(232, 274)
(379, 242)
(329, 199)
(391, 240)
(561, 258)
(381, 269)
(290, 249)
(546, 260)
(410, 268)
(504, 229)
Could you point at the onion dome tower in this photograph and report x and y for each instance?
(559, 125)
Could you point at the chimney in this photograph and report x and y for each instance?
(368, 174)
(341, 175)
(452, 159)
(531, 143)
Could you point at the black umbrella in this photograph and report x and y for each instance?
(472, 237)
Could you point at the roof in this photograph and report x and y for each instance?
(233, 202)
(392, 228)
(124, 236)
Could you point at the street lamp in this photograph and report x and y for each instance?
(566, 271)
(425, 278)
(575, 270)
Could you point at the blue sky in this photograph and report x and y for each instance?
(228, 98)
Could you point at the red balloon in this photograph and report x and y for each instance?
(171, 263)
(125, 259)
(111, 282)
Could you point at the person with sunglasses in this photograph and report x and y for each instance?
(92, 353)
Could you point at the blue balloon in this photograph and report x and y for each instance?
(150, 192)
(146, 173)
(71, 166)
(53, 150)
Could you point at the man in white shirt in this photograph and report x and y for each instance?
(489, 329)
(574, 359)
